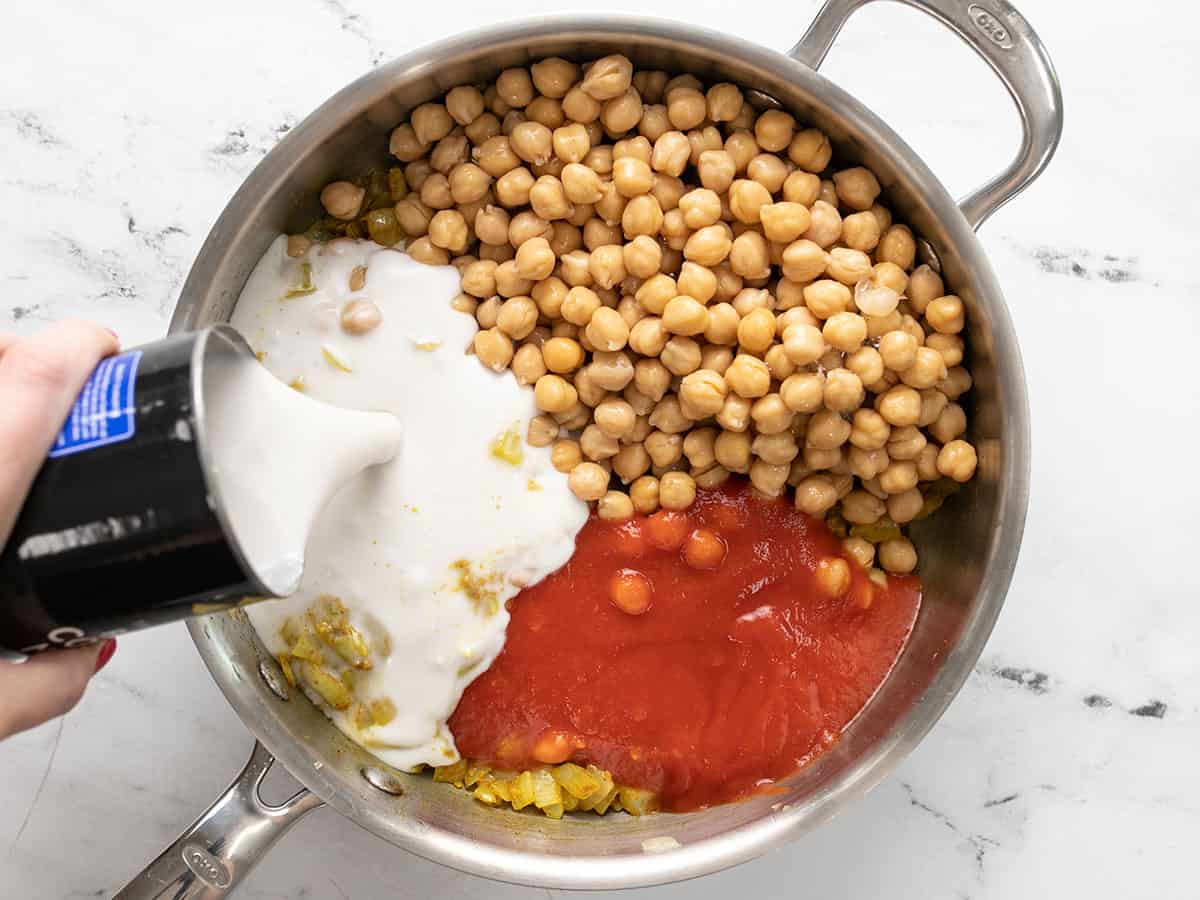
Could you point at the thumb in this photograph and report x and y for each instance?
(47, 685)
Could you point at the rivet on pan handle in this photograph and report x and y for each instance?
(214, 855)
(1008, 44)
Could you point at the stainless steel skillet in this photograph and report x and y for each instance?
(968, 551)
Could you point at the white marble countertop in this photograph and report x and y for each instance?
(1067, 765)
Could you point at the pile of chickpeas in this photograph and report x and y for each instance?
(691, 290)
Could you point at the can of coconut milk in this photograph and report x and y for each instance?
(120, 530)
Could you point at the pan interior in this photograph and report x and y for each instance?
(967, 551)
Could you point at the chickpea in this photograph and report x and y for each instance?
(610, 370)
(829, 193)
(898, 556)
(778, 363)
(845, 331)
(548, 198)
(927, 370)
(784, 221)
(866, 363)
(748, 377)
(622, 113)
(898, 349)
(494, 348)
(756, 331)
(906, 442)
(768, 170)
(697, 281)
(491, 225)
(597, 233)
(450, 151)
(527, 365)
(749, 256)
(815, 495)
(675, 232)
(956, 383)
(771, 415)
(735, 414)
(904, 506)
(580, 107)
(860, 231)
(509, 283)
(404, 144)
(732, 451)
(827, 430)
(553, 77)
(810, 150)
(517, 317)
(777, 449)
(608, 77)
(774, 129)
(861, 551)
(825, 225)
(949, 346)
(924, 286)
(596, 445)
(464, 104)
(746, 199)
(686, 108)
(843, 390)
(716, 169)
(542, 432)
(700, 207)
(897, 246)
(664, 449)
(487, 312)
(898, 477)
(342, 199)
(669, 417)
(631, 462)
(298, 245)
(702, 393)
(654, 122)
(708, 246)
(615, 506)
(425, 252)
(479, 278)
(553, 394)
(573, 268)
(589, 392)
(801, 187)
(632, 177)
(957, 460)
(534, 260)
(651, 378)
(606, 265)
(681, 355)
(857, 188)
(644, 494)
(767, 478)
(588, 481)
(804, 260)
(562, 355)
(848, 266)
(900, 405)
(870, 431)
(607, 330)
(862, 508)
(565, 455)
(867, 464)
(514, 187)
(485, 126)
(435, 192)
(945, 314)
(642, 216)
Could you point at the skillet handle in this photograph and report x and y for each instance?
(1008, 44)
(214, 855)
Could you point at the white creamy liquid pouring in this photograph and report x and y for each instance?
(395, 543)
(271, 495)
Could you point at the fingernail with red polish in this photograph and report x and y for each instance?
(106, 653)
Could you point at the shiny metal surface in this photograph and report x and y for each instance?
(968, 550)
(1007, 43)
(210, 859)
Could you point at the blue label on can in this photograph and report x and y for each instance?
(104, 411)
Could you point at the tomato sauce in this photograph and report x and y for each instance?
(694, 654)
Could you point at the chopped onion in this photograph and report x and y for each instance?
(875, 299)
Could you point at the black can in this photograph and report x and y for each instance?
(122, 528)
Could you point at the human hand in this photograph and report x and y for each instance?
(40, 377)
